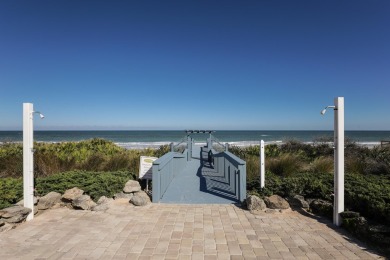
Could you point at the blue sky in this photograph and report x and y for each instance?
(266, 65)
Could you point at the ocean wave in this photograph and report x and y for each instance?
(141, 145)
(155, 145)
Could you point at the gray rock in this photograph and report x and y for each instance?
(103, 199)
(21, 202)
(83, 202)
(2, 212)
(6, 227)
(276, 202)
(322, 207)
(359, 227)
(72, 194)
(49, 200)
(102, 204)
(255, 203)
(144, 195)
(36, 210)
(15, 214)
(122, 195)
(131, 186)
(138, 200)
(2, 222)
(349, 214)
(298, 201)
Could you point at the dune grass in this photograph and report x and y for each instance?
(90, 155)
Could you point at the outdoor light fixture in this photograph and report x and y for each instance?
(324, 110)
(338, 205)
(40, 114)
(28, 157)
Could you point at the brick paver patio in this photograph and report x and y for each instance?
(169, 231)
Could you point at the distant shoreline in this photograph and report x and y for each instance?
(154, 139)
(156, 145)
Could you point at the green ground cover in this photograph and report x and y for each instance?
(296, 168)
(95, 184)
(97, 166)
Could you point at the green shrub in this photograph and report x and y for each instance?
(252, 168)
(285, 164)
(308, 185)
(95, 184)
(354, 165)
(90, 155)
(369, 195)
(322, 165)
(11, 191)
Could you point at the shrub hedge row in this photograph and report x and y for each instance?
(95, 184)
(369, 195)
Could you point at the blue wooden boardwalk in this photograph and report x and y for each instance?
(199, 183)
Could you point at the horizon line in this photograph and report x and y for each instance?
(183, 130)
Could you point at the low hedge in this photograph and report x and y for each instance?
(11, 191)
(366, 194)
(95, 184)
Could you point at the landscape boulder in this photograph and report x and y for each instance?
(276, 202)
(15, 214)
(131, 186)
(103, 199)
(140, 199)
(71, 194)
(349, 214)
(102, 204)
(21, 202)
(49, 200)
(255, 203)
(83, 202)
(6, 227)
(298, 201)
(122, 195)
(322, 207)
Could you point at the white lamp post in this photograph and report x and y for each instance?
(262, 166)
(338, 158)
(28, 162)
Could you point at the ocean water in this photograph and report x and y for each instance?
(153, 139)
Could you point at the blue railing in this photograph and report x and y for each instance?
(232, 168)
(164, 170)
(234, 171)
(179, 146)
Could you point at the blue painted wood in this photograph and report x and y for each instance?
(223, 181)
(199, 175)
(164, 170)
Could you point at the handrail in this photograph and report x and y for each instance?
(234, 170)
(164, 170)
(183, 140)
(166, 158)
(217, 141)
(236, 159)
